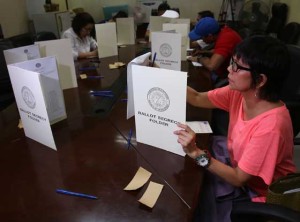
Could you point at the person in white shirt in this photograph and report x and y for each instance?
(82, 43)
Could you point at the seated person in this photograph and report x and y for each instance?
(260, 134)
(82, 43)
(119, 14)
(225, 40)
(199, 43)
(160, 10)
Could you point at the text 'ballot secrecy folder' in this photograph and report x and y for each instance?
(159, 104)
(167, 46)
(39, 97)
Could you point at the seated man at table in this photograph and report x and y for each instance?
(225, 40)
(160, 11)
(82, 43)
(200, 43)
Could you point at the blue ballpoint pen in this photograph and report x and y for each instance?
(95, 77)
(153, 60)
(102, 94)
(76, 194)
(88, 68)
(101, 91)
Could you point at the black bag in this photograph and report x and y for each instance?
(285, 191)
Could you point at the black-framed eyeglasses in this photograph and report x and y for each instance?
(236, 67)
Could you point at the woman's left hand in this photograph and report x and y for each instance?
(187, 138)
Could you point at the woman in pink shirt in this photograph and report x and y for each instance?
(260, 134)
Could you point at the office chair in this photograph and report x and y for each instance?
(290, 33)
(6, 91)
(278, 19)
(290, 94)
(45, 36)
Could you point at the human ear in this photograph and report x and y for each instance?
(262, 79)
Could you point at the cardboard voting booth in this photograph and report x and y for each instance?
(167, 47)
(125, 31)
(21, 54)
(159, 104)
(107, 39)
(61, 49)
(39, 97)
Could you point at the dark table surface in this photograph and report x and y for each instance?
(92, 158)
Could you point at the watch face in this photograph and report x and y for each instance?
(203, 160)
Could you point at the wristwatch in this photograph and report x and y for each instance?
(203, 159)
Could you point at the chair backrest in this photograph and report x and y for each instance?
(278, 19)
(4, 44)
(45, 36)
(290, 93)
(290, 33)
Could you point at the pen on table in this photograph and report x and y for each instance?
(102, 94)
(61, 191)
(87, 68)
(124, 100)
(101, 91)
(129, 138)
(95, 77)
(153, 60)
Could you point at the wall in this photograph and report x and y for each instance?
(294, 6)
(188, 9)
(14, 20)
(14, 16)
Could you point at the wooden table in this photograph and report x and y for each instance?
(92, 157)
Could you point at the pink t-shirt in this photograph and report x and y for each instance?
(262, 146)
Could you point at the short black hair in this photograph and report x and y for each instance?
(269, 56)
(120, 14)
(81, 20)
(163, 7)
(206, 13)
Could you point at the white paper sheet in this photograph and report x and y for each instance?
(142, 60)
(159, 103)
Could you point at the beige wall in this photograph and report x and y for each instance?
(13, 17)
(188, 10)
(294, 5)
